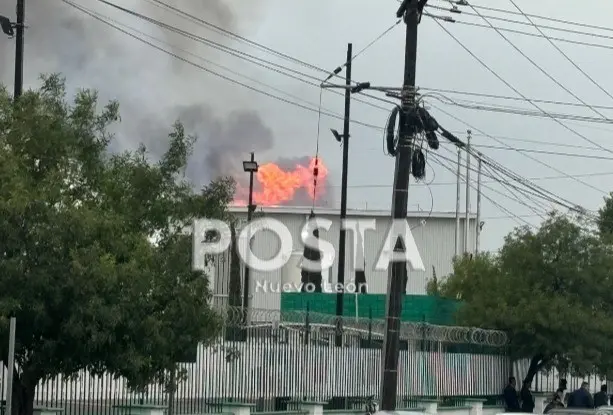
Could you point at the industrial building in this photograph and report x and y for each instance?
(434, 234)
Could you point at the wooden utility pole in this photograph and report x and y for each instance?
(411, 11)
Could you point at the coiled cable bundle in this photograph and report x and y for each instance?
(423, 125)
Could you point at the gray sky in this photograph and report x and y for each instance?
(154, 88)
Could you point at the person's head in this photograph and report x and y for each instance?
(512, 381)
(563, 384)
(603, 388)
(584, 385)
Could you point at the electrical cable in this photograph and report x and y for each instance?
(106, 20)
(522, 111)
(360, 52)
(540, 68)
(511, 189)
(316, 167)
(519, 93)
(431, 183)
(235, 36)
(550, 19)
(510, 98)
(267, 49)
(520, 32)
(511, 215)
(180, 58)
(574, 178)
(504, 182)
(562, 52)
(539, 191)
(551, 153)
(519, 22)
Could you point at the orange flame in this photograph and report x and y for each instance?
(277, 186)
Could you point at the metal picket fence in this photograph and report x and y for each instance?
(269, 358)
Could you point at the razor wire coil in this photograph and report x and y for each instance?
(325, 323)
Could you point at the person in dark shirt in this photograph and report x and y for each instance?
(556, 403)
(581, 398)
(511, 401)
(601, 398)
(527, 401)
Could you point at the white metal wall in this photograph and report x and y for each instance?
(435, 240)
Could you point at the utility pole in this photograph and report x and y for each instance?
(250, 167)
(458, 195)
(467, 217)
(19, 46)
(340, 296)
(410, 10)
(478, 230)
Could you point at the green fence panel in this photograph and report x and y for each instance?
(418, 308)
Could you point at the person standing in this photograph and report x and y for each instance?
(556, 403)
(581, 398)
(562, 386)
(527, 401)
(511, 401)
(601, 398)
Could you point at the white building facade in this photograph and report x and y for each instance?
(434, 234)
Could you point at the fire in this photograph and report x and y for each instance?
(276, 186)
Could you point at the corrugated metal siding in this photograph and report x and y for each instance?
(435, 240)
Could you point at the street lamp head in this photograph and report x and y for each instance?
(336, 135)
(250, 166)
(6, 26)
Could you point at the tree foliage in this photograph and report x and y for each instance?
(95, 264)
(605, 219)
(550, 289)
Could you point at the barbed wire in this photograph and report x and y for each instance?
(318, 322)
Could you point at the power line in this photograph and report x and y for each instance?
(522, 111)
(510, 214)
(267, 49)
(526, 155)
(107, 21)
(518, 92)
(562, 52)
(180, 58)
(550, 19)
(519, 32)
(528, 191)
(510, 98)
(229, 79)
(537, 66)
(537, 178)
(534, 151)
(522, 23)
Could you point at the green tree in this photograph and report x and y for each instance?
(605, 219)
(95, 264)
(550, 290)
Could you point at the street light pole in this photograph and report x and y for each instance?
(9, 28)
(19, 47)
(250, 167)
(340, 296)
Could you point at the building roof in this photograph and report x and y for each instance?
(299, 210)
